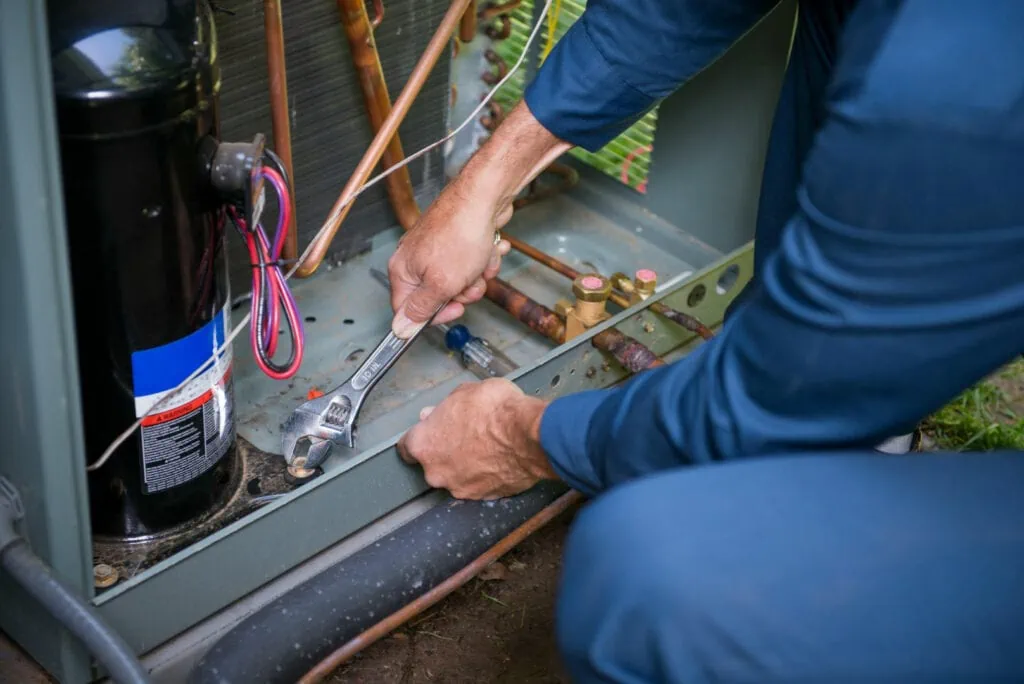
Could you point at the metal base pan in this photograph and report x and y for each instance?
(346, 313)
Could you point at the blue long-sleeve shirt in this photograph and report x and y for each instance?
(897, 282)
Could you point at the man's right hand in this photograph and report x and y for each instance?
(450, 252)
(447, 255)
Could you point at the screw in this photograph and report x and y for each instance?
(591, 372)
(606, 366)
(104, 576)
(648, 327)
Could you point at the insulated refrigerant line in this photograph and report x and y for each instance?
(124, 436)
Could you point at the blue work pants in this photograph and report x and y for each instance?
(812, 568)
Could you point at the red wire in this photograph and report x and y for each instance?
(257, 247)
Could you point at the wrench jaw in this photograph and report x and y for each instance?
(313, 429)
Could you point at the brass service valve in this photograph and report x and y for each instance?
(591, 292)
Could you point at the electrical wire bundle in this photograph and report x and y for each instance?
(270, 293)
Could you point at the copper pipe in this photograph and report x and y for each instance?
(500, 33)
(632, 354)
(277, 77)
(492, 77)
(534, 315)
(339, 657)
(493, 10)
(691, 323)
(494, 117)
(380, 141)
(467, 27)
(356, 22)
(537, 192)
(378, 13)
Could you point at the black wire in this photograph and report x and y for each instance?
(276, 162)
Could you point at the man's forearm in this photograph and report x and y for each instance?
(516, 154)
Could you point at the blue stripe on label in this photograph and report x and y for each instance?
(163, 368)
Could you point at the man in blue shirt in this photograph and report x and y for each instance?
(889, 277)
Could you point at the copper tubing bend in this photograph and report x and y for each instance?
(359, 31)
(388, 129)
(435, 595)
(493, 10)
(279, 118)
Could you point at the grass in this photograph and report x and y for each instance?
(987, 417)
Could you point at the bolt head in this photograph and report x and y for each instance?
(104, 576)
(646, 280)
(591, 287)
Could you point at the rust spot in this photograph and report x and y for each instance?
(536, 316)
(691, 323)
(633, 355)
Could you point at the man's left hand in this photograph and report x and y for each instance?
(482, 442)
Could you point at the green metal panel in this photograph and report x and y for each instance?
(39, 410)
(709, 182)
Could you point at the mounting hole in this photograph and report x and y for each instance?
(696, 296)
(253, 487)
(348, 321)
(354, 356)
(555, 380)
(537, 391)
(572, 371)
(727, 279)
(311, 319)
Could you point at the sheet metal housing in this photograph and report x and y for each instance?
(704, 182)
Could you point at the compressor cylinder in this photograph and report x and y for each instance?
(136, 86)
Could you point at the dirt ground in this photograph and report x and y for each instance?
(497, 630)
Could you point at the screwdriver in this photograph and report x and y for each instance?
(475, 353)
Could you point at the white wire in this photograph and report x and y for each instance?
(99, 463)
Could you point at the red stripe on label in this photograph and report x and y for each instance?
(184, 409)
(178, 412)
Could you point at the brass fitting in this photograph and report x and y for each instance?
(622, 282)
(563, 307)
(644, 283)
(591, 291)
(591, 288)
